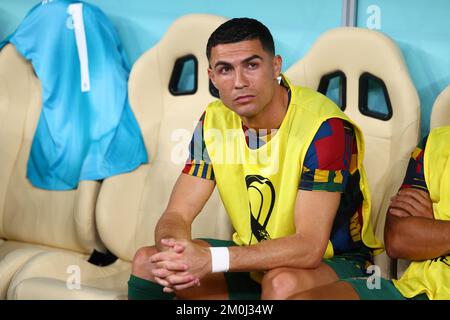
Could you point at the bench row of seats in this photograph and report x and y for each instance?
(47, 237)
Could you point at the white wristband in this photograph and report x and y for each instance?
(220, 259)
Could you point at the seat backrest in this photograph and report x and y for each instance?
(27, 214)
(440, 114)
(130, 205)
(365, 60)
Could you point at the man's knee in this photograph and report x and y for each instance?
(283, 282)
(141, 262)
(279, 284)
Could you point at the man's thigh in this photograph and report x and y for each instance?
(283, 282)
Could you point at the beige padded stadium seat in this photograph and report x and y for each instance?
(33, 220)
(440, 114)
(388, 143)
(129, 205)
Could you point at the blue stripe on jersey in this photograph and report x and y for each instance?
(205, 171)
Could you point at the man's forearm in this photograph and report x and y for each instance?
(293, 251)
(171, 225)
(417, 238)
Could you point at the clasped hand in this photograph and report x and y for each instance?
(180, 265)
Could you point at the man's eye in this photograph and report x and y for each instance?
(224, 70)
(252, 65)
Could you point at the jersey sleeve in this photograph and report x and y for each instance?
(415, 177)
(198, 163)
(331, 158)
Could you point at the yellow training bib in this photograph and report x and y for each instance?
(259, 186)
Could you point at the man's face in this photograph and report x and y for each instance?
(245, 76)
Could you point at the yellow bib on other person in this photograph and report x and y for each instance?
(433, 276)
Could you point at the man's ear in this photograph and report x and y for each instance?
(277, 65)
(211, 76)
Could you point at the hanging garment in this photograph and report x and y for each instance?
(86, 129)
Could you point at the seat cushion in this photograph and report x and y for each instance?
(13, 255)
(56, 275)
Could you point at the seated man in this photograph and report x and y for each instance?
(417, 228)
(288, 166)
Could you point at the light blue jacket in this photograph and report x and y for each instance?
(83, 133)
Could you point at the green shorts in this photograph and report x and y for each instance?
(242, 287)
(349, 265)
(386, 290)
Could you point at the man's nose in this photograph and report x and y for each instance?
(240, 80)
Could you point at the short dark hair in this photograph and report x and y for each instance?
(241, 29)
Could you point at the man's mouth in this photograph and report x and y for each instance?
(244, 99)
